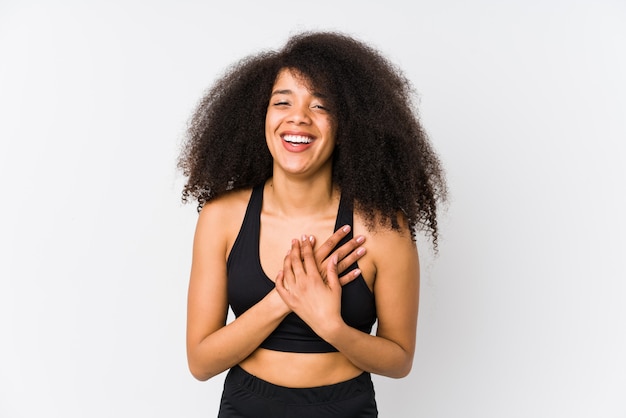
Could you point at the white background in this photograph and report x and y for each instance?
(522, 312)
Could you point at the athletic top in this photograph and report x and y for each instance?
(248, 284)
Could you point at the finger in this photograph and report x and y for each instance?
(352, 257)
(280, 284)
(307, 255)
(349, 253)
(295, 258)
(288, 278)
(349, 246)
(331, 273)
(348, 277)
(329, 245)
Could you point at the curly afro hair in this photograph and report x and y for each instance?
(383, 160)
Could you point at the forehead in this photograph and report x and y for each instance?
(289, 76)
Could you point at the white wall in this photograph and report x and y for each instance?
(522, 312)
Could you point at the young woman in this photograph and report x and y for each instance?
(296, 159)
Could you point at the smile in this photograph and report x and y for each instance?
(297, 139)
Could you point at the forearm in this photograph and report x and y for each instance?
(370, 353)
(234, 342)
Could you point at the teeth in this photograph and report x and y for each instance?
(297, 139)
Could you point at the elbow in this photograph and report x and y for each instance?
(199, 375)
(198, 371)
(402, 370)
(405, 364)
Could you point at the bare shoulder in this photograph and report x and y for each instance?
(382, 235)
(236, 201)
(221, 218)
(386, 246)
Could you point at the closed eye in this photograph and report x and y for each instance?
(320, 108)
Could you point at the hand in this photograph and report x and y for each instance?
(315, 299)
(347, 254)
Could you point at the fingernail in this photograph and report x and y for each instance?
(360, 239)
(311, 238)
(346, 228)
(356, 272)
(303, 238)
(360, 251)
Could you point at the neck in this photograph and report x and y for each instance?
(295, 198)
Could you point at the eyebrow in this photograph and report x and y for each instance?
(275, 92)
(287, 91)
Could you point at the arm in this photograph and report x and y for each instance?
(318, 303)
(213, 346)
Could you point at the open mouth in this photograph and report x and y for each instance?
(297, 139)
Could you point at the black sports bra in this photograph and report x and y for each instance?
(248, 284)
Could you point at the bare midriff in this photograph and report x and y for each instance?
(300, 370)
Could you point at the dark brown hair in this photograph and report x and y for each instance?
(383, 160)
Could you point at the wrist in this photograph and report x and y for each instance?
(277, 304)
(331, 330)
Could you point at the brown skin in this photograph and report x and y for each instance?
(300, 200)
(383, 160)
(392, 265)
(208, 339)
(214, 347)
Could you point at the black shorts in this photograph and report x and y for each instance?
(247, 396)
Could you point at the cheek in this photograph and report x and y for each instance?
(271, 121)
(270, 128)
(268, 124)
(332, 132)
(332, 126)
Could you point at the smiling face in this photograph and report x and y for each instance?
(299, 128)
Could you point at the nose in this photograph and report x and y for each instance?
(299, 115)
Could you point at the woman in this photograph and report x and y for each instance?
(317, 140)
